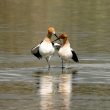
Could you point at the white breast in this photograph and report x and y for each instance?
(46, 49)
(65, 53)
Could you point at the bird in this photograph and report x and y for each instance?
(46, 48)
(65, 51)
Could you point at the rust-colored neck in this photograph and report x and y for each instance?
(65, 41)
(48, 37)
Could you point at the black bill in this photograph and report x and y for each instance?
(57, 38)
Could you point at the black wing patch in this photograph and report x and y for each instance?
(74, 57)
(38, 55)
(35, 51)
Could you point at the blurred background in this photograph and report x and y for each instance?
(23, 24)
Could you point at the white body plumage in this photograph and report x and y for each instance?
(46, 49)
(65, 53)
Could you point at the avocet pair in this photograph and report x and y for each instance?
(47, 48)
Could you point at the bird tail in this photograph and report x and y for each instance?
(74, 57)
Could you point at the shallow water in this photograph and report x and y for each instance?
(82, 86)
(26, 83)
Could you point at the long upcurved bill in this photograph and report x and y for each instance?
(57, 38)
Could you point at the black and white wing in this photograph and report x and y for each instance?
(56, 46)
(35, 51)
(74, 55)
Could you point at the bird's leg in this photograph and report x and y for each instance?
(62, 64)
(47, 59)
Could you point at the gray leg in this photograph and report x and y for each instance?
(47, 59)
(62, 64)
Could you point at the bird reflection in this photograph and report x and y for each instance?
(53, 87)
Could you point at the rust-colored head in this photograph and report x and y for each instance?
(51, 30)
(63, 36)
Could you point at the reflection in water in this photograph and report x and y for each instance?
(54, 88)
(33, 88)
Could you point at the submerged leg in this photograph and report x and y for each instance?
(62, 64)
(48, 59)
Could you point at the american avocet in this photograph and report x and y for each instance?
(45, 48)
(65, 51)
